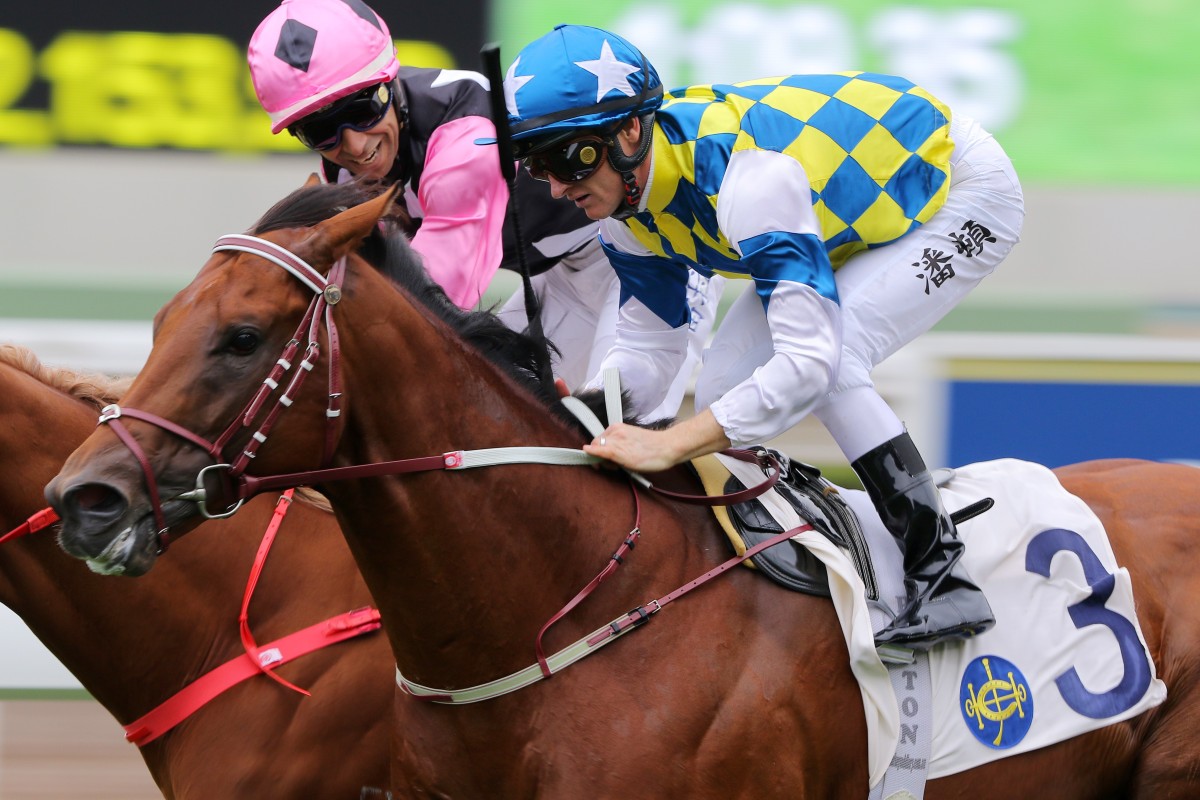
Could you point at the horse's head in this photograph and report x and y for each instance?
(230, 353)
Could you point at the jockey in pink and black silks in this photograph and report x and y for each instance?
(861, 210)
(327, 72)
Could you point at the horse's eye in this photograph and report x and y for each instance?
(243, 342)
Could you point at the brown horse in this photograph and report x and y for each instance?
(133, 644)
(740, 689)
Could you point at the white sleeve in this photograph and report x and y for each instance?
(765, 209)
(763, 192)
(806, 334)
(648, 353)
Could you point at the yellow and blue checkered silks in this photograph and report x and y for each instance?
(876, 150)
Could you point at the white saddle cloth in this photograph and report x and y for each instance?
(1066, 656)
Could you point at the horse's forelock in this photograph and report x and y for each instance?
(93, 388)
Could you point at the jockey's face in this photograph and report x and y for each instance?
(370, 153)
(599, 195)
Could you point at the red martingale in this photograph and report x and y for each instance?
(257, 660)
(42, 519)
(192, 697)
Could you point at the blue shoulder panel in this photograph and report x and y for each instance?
(660, 284)
(779, 256)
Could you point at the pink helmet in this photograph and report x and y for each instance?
(308, 53)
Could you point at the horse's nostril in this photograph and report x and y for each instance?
(94, 498)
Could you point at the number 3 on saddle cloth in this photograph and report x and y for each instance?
(1066, 656)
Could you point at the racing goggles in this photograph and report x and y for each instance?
(322, 130)
(570, 162)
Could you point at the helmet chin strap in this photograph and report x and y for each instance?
(625, 165)
(401, 168)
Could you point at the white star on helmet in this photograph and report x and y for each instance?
(512, 84)
(610, 73)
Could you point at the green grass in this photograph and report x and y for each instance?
(80, 303)
(62, 301)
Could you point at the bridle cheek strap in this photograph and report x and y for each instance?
(333, 411)
(111, 415)
(160, 522)
(320, 310)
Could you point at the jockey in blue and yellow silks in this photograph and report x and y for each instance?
(858, 205)
(698, 131)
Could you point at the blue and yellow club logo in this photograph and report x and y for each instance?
(995, 701)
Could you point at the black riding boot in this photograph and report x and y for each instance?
(943, 602)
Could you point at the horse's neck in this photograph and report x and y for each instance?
(443, 551)
(415, 389)
(41, 426)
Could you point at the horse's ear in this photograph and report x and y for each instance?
(343, 232)
(313, 180)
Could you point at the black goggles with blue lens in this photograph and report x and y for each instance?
(361, 111)
(569, 162)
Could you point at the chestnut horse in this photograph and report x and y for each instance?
(133, 644)
(741, 689)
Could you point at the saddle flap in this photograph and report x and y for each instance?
(790, 564)
(816, 501)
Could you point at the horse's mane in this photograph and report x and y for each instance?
(388, 250)
(93, 388)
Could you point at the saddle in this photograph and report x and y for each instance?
(816, 500)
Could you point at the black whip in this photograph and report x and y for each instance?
(491, 69)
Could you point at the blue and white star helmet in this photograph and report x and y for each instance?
(574, 80)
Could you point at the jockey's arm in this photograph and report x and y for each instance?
(653, 324)
(464, 199)
(777, 236)
(765, 208)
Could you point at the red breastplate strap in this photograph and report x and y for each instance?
(184, 703)
(255, 661)
(42, 519)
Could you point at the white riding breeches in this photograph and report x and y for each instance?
(890, 295)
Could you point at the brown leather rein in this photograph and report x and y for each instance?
(327, 293)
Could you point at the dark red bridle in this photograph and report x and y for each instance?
(327, 293)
